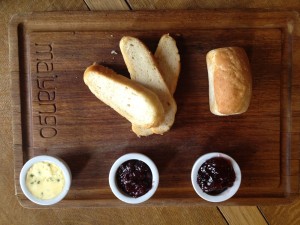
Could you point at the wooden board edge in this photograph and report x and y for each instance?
(16, 31)
(136, 19)
(295, 131)
(115, 203)
(13, 33)
(14, 69)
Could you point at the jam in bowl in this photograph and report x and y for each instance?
(133, 178)
(216, 177)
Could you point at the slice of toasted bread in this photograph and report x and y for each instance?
(143, 69)
(168, 61)
(129, 98)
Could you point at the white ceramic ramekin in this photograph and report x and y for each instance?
(229, 192)
(113, 182)
(51, 159)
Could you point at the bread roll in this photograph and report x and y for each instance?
(230, 81)
(133, 101)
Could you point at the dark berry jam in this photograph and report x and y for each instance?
(134, 177)
(216, 175)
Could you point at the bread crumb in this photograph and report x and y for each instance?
(113, 52)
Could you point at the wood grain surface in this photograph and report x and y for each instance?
(12, 213)
(107, 5)
(245, 215)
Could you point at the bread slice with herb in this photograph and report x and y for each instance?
(130, 99)
(168, 61)
(143, 68)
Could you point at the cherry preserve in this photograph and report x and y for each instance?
(216, 175)
(134, 177)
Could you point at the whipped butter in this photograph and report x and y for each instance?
(45, 180)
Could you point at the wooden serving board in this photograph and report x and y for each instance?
(55, 113)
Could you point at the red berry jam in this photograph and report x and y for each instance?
(216, 175)
(134, 177)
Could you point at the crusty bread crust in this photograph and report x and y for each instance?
(230, 81)
(168, 61)
(133, 101)
(143, 69)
